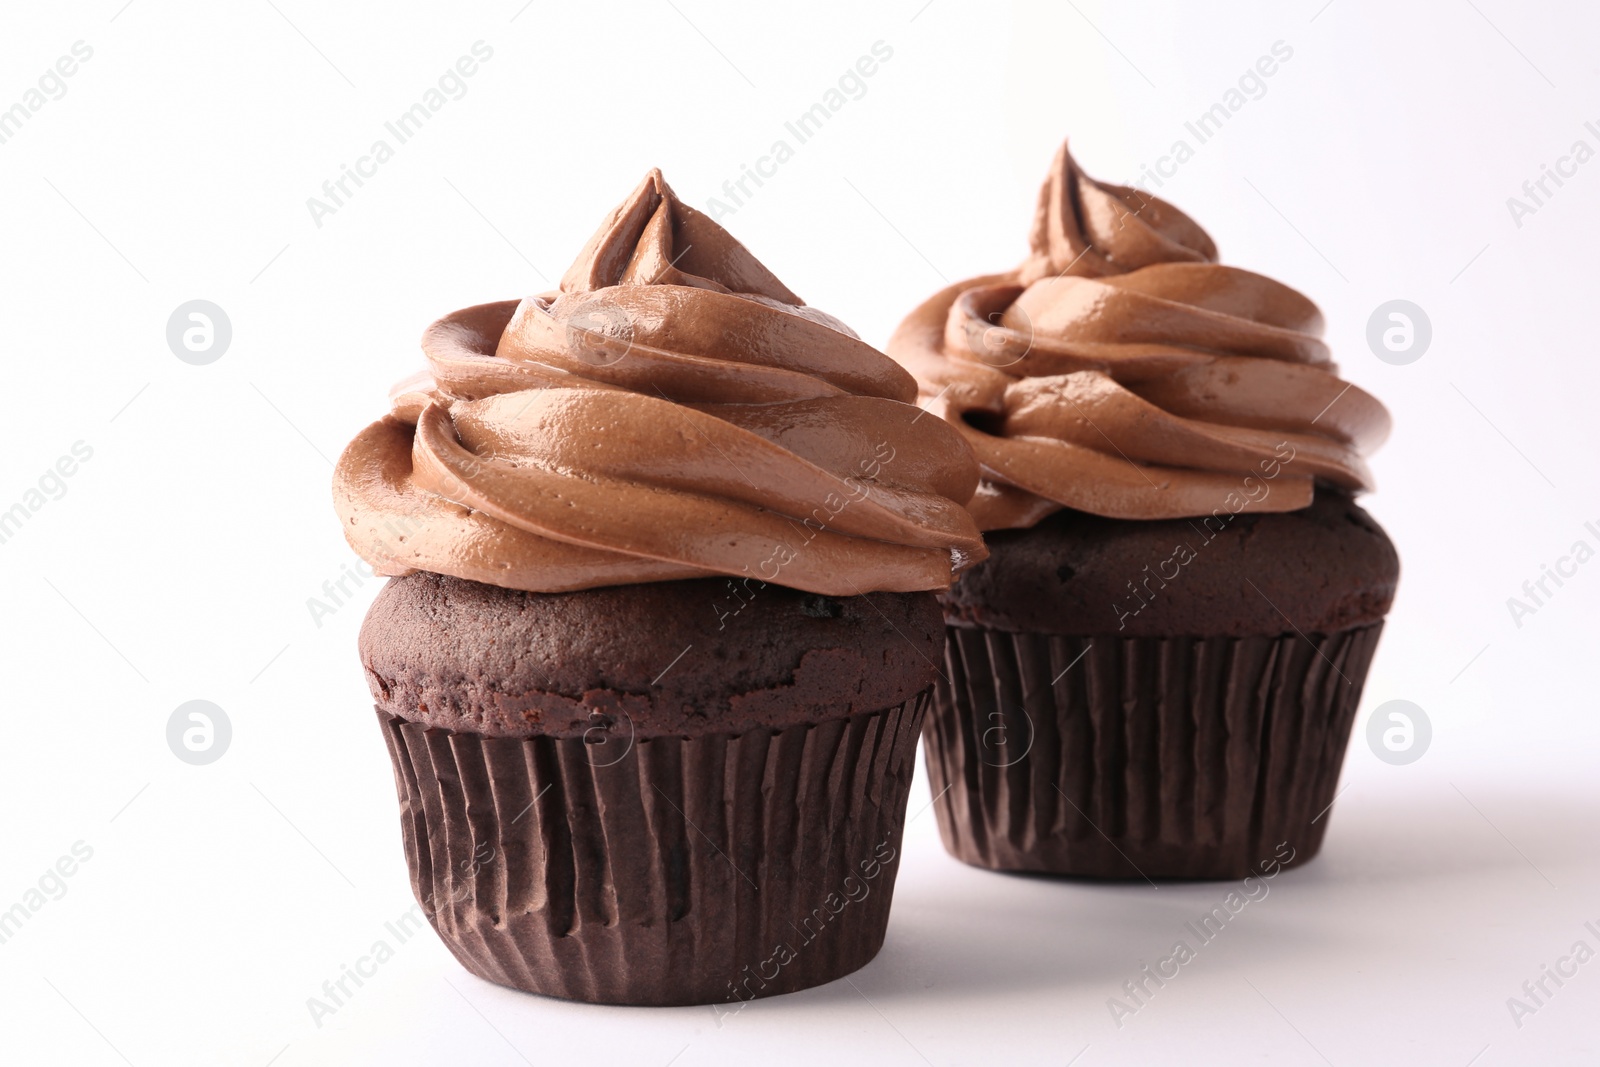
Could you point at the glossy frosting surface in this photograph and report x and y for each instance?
(1122, 371)
(673, 411)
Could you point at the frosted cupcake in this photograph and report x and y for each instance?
(662, 627)
(1156, 671)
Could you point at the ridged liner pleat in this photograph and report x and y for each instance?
(1112, 757)
(673, 874)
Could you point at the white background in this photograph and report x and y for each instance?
(179, 562)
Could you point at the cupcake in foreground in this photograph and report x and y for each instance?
(1155, 672)
(661, 629)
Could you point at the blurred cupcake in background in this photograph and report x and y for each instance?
(1155, 672)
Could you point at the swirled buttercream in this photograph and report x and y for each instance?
(673, 411)
(1121, 370)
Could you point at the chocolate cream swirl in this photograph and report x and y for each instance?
(673, 411)
(1121, 370)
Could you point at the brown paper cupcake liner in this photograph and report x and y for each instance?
(696, 870)
(1113, 757)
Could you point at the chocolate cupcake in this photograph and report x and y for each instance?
(662, 627)
(1155, 673)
